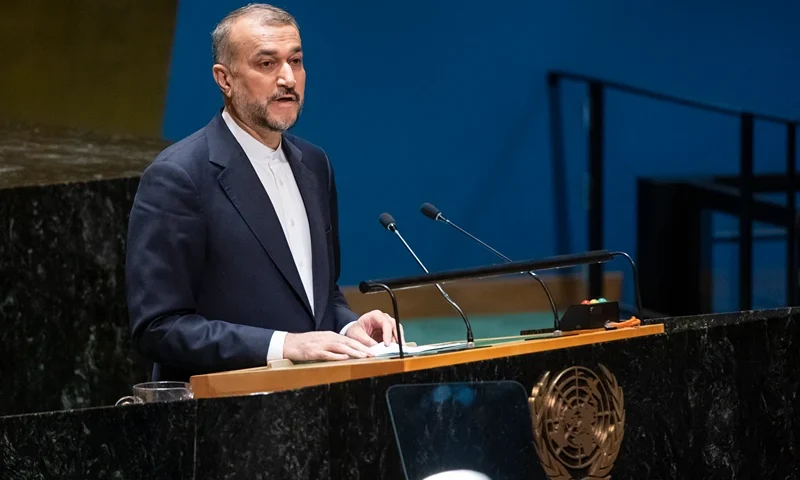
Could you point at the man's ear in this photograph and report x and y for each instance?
(222, 76)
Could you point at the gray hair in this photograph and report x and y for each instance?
(263, 13)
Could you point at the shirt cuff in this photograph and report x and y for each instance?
(275, 351)
(344, 330)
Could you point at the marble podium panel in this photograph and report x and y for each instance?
(65, 198)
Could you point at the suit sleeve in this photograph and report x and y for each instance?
(343, 313)
(164, 262)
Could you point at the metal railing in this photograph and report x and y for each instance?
(746, 182)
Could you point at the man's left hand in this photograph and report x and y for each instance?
(373, 327)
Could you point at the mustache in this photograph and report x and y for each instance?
(283, 93)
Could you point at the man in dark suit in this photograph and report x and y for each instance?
(233, 247)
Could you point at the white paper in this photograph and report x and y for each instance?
(381, 350)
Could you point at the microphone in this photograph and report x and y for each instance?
(430, 211)
(389, 224)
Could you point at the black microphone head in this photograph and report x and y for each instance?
(430, 211)
(387, 221)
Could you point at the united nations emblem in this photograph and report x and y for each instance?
(578, 423)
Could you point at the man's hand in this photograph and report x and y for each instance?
(322, 346)
(373, 327)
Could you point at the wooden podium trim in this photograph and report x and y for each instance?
(273, 379)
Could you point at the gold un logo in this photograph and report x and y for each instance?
(578, 423)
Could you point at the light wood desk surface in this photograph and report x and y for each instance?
(272, 379)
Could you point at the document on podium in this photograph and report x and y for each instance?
(382, 350)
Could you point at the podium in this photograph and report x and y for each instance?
(717, 383)
(274, 379)
(577, 414)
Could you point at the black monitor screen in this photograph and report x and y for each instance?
(483, 428)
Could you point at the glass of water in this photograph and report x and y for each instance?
(150, 392)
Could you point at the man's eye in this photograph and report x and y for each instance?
(266, 64)
(297, 61)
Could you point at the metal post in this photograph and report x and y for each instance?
(745, 214)
(791, 237)
(595, 210)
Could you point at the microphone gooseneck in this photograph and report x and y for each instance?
(389, 224)
(435, 214)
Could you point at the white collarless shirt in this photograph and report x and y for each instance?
(276, 176)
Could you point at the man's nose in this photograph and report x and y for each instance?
(286, 77)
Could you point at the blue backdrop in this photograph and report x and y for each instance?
(446, 101)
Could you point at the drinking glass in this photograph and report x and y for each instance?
(149, 392)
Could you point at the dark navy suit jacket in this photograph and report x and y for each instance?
(209, 274)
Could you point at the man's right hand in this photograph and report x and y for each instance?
(322, 346)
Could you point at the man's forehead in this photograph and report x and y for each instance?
(249, 35)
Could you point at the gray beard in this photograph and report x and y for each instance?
(257, 114)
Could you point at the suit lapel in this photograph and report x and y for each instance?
(244, 189)
(310, 190)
